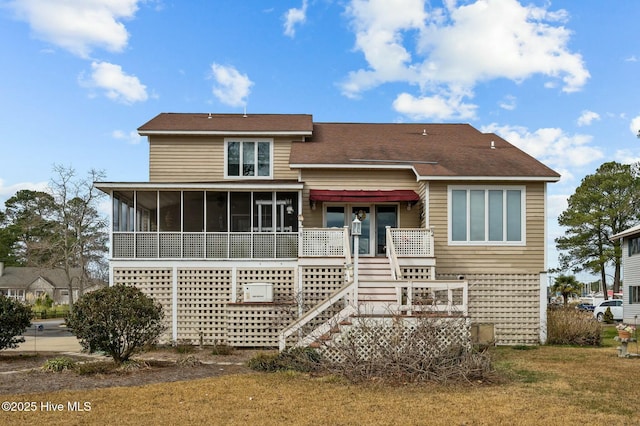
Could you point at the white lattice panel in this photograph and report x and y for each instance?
(369, 337)
(511, 302)
(322, 242)
(193, 245)
(147, 245)
(283, 280)
(240, 245)
(287, 245)
(318, 283)
(412, 242)
(217, 246)
(203, 294)
(264, 246)
(124, 245)
(155, 283)
(255, 325)
(170, 245)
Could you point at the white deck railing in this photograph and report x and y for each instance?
(308, 242)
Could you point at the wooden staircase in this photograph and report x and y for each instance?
(374, 292)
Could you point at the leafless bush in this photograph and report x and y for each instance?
(566, 326)
(404, 351)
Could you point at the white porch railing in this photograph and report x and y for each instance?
(205, 245)
(392, 256)
(412, 242)
(308, 242)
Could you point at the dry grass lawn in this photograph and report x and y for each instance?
(540, 386)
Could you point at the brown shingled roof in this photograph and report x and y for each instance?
(176, 123)
(433, 150)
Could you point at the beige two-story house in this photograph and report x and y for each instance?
(244, 227)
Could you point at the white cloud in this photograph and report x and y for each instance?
(587, 117)
(634, 125)
(552, 146)
(294, 17)
(132, 137)
(78, 25)
(446, 48)
(435, 107)
(231, 88)
(117, 85)
(508, 102)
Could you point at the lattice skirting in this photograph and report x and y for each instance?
(368, 338)
(511, 302)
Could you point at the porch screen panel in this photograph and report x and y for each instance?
(193, 214)
(263, 211)
(216, 211)
(147, 211)
(240, 211)
(170, 211)
(287, 217)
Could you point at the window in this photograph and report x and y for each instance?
(248, 158)
(634, 294)
(486, 215)
(634, 246)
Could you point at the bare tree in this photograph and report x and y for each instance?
(80, 240)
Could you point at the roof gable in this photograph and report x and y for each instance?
(23, 277)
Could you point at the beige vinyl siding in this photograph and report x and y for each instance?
(200, 158)
(489, 258)
(359, 179)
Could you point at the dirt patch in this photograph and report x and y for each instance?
(21, 372)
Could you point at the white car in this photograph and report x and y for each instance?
(616, 309)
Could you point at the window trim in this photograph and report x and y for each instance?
(227, 141)
(486, 189)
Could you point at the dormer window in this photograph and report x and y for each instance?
(248, 158)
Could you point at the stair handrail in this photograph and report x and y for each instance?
(313, 313)
(348, 263)
(393, 257)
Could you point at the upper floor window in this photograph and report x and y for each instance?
(486, 215)
(248, 158)
(634, 246)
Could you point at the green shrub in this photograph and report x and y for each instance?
(15, 318)
(59, 364)
(570, 327)
(608, 316)
(118, 320)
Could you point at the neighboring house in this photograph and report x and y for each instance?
(243, 225)
(630, 273)
(27, 284)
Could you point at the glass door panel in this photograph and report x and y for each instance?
(385, 216)
(363, 213)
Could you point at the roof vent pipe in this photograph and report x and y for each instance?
(209, 117)
(493, 145)
(424, 132)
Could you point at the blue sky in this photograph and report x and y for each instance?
(559, 79)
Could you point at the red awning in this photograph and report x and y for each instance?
(361, 196)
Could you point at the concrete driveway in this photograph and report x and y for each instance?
(48, 336)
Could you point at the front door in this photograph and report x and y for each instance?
(365, 241)
(374, 221)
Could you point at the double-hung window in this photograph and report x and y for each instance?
(249, 158)
(487, 215)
